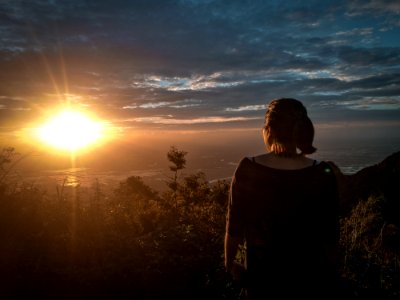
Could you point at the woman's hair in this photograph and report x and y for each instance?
(288, 128)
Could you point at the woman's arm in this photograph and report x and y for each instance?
(236, 269)
(231, 249)
(234, 232)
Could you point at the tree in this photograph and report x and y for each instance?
(134, 186)
(8, 159)
(178, 160)
(195, 188)
(135, 203)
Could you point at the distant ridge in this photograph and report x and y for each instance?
(376, 180)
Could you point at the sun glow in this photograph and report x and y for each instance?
(70, 130)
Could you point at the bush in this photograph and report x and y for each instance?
(134, 243)
(370, 249)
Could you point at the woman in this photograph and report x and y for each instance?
(283, 208)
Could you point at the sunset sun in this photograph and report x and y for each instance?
(70, 130)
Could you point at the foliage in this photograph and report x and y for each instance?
(133, 243)
(84, 242)
(178, 160)
(371, 249)
(7, 161)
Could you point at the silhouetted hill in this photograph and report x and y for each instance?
(382, 179)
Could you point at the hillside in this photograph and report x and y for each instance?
(378, 179)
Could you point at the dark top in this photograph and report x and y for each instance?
(288, 219)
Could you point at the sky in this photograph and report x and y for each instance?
(186, 65)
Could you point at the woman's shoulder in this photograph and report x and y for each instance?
(244, 164)
(326, 165)
(326, 172)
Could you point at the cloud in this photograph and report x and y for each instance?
(369, 103)
(195, 82)
(366, 103)
(247, 108)
(203, 62)
(358, 7)
(169, 120)
(186, 103)
(356, 32)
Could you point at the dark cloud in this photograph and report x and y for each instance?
(375, 57)
(374, 7)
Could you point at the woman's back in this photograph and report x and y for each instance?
(290, 218)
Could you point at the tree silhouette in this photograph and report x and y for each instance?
(178, 160)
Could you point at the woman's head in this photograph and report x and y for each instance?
(288, 128)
